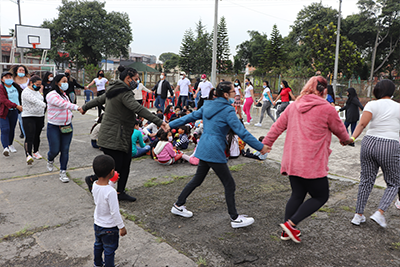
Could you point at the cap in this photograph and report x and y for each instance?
(183, 73)
(203, 76)
(6, 73)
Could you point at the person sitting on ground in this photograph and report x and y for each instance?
(108, 224)
(183, 141)
(176, 113)
(152, 129)
(169, 110)
(255, 154)
(165, 151)
(142, 148)
(94, 132)
(192, 159)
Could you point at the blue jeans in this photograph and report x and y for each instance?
(7, 127)
(182, 101)
(141, 151)
(21, 124)
(107, 241)
(58, 143)
(196, 100)
(159, 103)
(353, 126)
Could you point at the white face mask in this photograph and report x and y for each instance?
(204, 80)
(170, 138)
(51, 79)
(181, 76)
(281, 86)
(161, 76)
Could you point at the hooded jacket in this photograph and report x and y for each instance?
(218, 117)
(352, 105)
(5, 103)
(119, 116)
(309, 122)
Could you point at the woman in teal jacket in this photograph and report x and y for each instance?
(218, 117)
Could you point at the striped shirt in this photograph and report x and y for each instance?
(59, 109)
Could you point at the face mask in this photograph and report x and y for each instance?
(133, 85)
(64, 86)
(170, 138)
(264, 86)
(161, 76)
(171, 110)
(204, 80)
(51, 79)
(67, 74)
(181, 76)
(36, 88)
(8, 81)
(236, 84)
(231, 101)
(281, 86)
(101, 74)
(247, 83)
(20, 74)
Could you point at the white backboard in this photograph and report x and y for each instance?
(29, 35)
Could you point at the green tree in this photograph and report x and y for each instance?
(171, 63)
(251, 51)
(186, 52)
(223, 53)
(274, 55)
(166, 56)
(203, 50)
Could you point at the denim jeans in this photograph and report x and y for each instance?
(7, 127)
(353, 126)
(58, 143)
(107, 241)
(141, 151)
(160, 103)
(182, 101)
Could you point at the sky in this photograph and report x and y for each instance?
(158, 26)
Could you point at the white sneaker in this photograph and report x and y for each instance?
(379, 219)
(258, 124)
(37, 155)
(251, 119)
(64, 177)
(50, 166)
(29, 160)
(247, 123)
(397, 204)
(242, 221)
(358, 219)
(181, 211)
(6, 152)
(12, 149)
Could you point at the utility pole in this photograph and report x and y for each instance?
(19, 16)
(337, 49)
(214, 55)
(1, 50)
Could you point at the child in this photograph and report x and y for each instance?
(256, 154)
(192, 158)
(176, 113)
(107, 219)
(165, 151)
(94, 132)
(142, 148)
(169, 110)
(183, 141)
(152, 129)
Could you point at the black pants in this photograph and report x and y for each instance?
(201, 103)
(223, 173)
(296, 209)
(122, 166)
(33, 128)
(100, 107)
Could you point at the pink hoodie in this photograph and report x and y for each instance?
(309, 122)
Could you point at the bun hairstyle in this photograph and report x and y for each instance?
(34, 79)
(223, 87)
(316, 85)
(131, 72)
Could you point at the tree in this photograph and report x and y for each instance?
(223, 47)
(251, 51)
(273, 59)
(171, 63)
(186, 52)
(87, 33)
(321, 44)
(164, 57)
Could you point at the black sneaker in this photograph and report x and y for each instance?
(352, 144)
(90, 180)
(126, 197)
(21, 136)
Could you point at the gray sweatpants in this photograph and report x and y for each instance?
(266, 107)
(378, 152)
(281, 108)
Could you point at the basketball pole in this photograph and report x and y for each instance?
(1, 49)
(19, 16)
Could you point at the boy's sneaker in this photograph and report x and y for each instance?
(379, 219)
(292, 232)
(181, 211)
(89, 181)
(6, 152)
(357, 219)
(29, 160)
(37, 155)
(397, 204)
(50, 166)
(63, 177)
(12, 149)
(258, 124)
(242, 221)
(284, 235)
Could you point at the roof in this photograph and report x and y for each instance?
(139, 66)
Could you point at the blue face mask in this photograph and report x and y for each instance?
(236, 84)
(36, 88)
(264, 86)
(231, 101)
(8, 81)
(247, 83)
(64, 86)
(20, 74)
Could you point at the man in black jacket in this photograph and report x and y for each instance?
(72, 83)
(161, 90)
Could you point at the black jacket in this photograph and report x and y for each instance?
(164, 89)
(72, 83)
(352, 113)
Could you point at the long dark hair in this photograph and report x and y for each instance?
(98, 122)
(54, 84)
(352, 95)
(249, 81)
(331, 93)
(46, 77)
(238, 81)
(131, 72)
(223, 87)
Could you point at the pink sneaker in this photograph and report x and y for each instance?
(291, 232)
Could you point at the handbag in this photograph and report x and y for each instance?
(259, 104)
(66, 129)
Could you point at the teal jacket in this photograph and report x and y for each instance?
(137, 136)
(218, 117)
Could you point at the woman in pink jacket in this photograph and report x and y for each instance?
(309, 122)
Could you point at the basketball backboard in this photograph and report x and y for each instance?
(32, 37)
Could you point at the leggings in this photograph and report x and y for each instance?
(378, 152)
(353, 126)
(266, 107)
(247, 108)
(296, 209)
(33, 128)
(223, 173)
(281, 108)
(100, 107)
(122, 166)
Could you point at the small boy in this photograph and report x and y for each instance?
(107, 219)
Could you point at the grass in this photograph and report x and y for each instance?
(326, 209)
(77, 181)
(152, 182)
(160, 240)
(140, 158)
(127, 216)
(313, 216)
(347, 208)
(26, 232)
(237, 168)
(201, 261)
(396, 245)
(378, 186)
(274, 237)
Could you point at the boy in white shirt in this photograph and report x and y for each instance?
(108, 224)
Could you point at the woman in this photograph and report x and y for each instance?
(249, 99)
(118, 121)
(10, 105)
(266, 106)
(101, 83)
(218, 117)
(46, 83)
(351, 107)
(33, 118)
(59, 124)
(238, 99)
(330, 97)
(21, 77)
(138, 92)
(379, 148)
(310, 122)
(285, 95)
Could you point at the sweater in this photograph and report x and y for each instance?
(33, 103)
(137, 136)
(309, 122)
(138, 91)
(59, 109)
(5, 103)
(164, 151)
(218, 117)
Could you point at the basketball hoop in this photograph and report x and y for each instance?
(35, 44)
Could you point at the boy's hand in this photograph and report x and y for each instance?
(122, 231)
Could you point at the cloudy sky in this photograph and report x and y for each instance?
(158, 26)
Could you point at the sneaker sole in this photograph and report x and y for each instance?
(239, 225)
(6, 153)
(358, 224)
(377, 222)
(288, 238)
(30, 161)
(64, 180)
(289, 233)
(179, 213)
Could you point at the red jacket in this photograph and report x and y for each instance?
(310, 122)
(6, 104)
